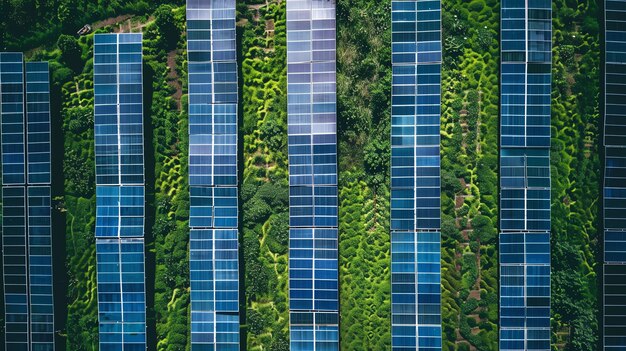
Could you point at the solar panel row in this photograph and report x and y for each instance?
(615, 176)
(415, 175)
(120, 191)
(526, 37)
(312, 143)
(26, 200)
(213, 218)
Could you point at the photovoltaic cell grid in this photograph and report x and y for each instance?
(15, 268)
(12, 104)
(526, 37)
(213, 219)
(38, 121)
(614, 336)
(26, 220)
(415, 175)
(120, 191)
(312, 133)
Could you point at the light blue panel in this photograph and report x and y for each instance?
(312, 151)
(120, 191)
(213, 220)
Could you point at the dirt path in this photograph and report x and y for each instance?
(110, 21)
(173, 78)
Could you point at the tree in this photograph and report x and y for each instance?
(167, 27)
(67, 14)
(70, 52)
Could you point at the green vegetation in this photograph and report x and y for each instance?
(363, 90)
(469, 167)
(575, 175)
(265, 189)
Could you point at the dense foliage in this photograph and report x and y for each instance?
(469, 137)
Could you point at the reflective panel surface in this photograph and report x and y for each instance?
(120, 191)
(526, 44)
(415, 175)
(213, 216)
(615, 176)
(312, 143)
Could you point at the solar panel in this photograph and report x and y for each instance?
(14, 252)
(26, 199)
(118, 110)
(120, 191)
(121, 294)
(615, 176)
(12, 107)
(38, 122)
(526, 42)
(40, 267)
(415, 175)
(312, 147)
(213, 217)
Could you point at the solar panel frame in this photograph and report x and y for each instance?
(26, 220)
(13, 110)
(38, 122)
(614, 182)
(15, 267)
(213, 176)
(312, 153)
(415, 175)
(120, 191)
(41, 292)
(525, 192)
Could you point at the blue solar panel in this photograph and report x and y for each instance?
(120, 191)
(415, 175)
(526, 36)
(38, 122)
(120, 211)
(213, 217)
(40, 268)
(12, 108)
(312, 143)
(121, 294)
(118, 100)
(15, 269)
(26, 198)
(615, 176)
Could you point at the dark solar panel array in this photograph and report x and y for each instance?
(415, 175)
(26, 200)
(213, 217)
(120, 191)
(312, 142)
(615, 176)
(526, 43)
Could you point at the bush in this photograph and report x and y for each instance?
(70, 52)
(167, 27)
